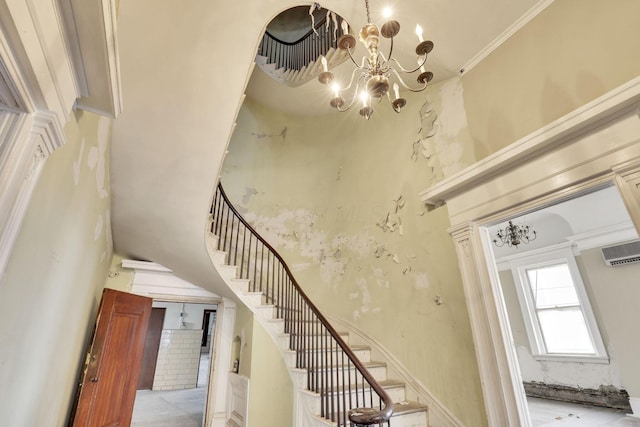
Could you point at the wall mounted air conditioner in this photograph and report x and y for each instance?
(626, 253)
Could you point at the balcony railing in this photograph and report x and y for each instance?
(298, 54)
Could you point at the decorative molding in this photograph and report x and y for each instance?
(439, 414)
(584, 150)
(18, 190)
(93, 47)
(48, 132)
(620, 100)
(513, 28)
(158, 282)
(38, 90)
(144, 265)
(605, 236)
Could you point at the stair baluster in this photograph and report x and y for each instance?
(333, 370)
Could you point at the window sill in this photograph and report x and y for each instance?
(572, 358)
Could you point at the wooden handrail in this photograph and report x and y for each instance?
(303, 332)
(307, 34)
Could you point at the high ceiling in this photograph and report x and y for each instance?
(185, 67)
(463, 32)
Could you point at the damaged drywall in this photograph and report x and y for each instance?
(443, 138)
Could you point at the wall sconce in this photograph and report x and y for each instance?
(513, 235)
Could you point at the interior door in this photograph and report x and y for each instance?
(151, 345)
(108, 387)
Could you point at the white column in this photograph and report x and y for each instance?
(221, 365)
(500, 378)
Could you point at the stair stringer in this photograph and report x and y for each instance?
(303, 415)
(439, 414)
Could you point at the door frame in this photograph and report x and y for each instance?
(159, 283)
(594, 146)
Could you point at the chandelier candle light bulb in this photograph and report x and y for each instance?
(325, 68)
(419, 33)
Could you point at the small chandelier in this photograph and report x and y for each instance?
(514, 235)
(376, 71)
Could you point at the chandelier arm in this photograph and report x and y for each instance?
(351, 80)
(361, 66)
(424, 61)
(390, 50)
(353, 97)
(406, 86)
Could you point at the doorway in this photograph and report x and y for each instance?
(569, 334)
(179, 387)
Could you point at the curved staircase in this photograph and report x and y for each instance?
(336, 384)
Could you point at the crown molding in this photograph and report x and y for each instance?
(93, 49)
(510, 31)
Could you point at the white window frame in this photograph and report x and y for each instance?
(554, 255)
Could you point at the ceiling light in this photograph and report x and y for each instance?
(375, 71)
(513, 235)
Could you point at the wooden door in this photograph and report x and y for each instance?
(151, 345)
(108, 387)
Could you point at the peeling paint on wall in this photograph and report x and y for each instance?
(249, 192)
(98, 230)
(263, 135)
(444, 140)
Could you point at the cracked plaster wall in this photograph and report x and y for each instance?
(338, 198)
(54, 278)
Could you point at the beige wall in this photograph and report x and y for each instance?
(54, 279)
(262, 362)
(573, 52)
(615, 294)
(271, 388)
(242, 340)
(327, 193)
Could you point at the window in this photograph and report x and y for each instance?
(557, 313)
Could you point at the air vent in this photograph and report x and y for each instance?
(626, 253)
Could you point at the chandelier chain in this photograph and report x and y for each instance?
(366, 3)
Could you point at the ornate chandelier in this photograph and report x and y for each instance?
(373, 75)
(513, 235)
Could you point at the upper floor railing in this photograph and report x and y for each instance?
(298, 54)
(350, 396)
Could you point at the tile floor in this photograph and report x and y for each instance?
(177, 408)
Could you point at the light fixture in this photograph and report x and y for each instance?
(514, 235)
(375, 72)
